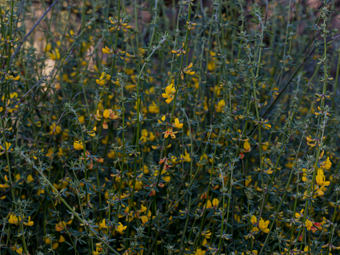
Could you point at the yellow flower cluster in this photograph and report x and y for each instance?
(103, 79)
(170, 91)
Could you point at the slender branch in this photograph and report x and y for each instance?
(291, 78)
(31, 31)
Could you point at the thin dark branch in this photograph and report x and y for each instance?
(310, 51)
(31, 31)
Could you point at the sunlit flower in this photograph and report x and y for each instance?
(177, 124)
(29, 222)
(215, 202)
(78, 145)
(263, 225)
(246, 146)
(54, 55)
(170, 133)
(327, 164)
(153, 108)
(247, 180)
(60, 226)
(253, 220)
(220, 106)
(103, 79)
(311, 142)
(6, 147)
(107, 50)
(321, 179)
(144, 135)
(144, 219)
(199, 251)
(13, 219)
(187, 70)
(308, 224)
(102, 225)
(170, 91)
(186, 157)
(29, 178)
(120, 228)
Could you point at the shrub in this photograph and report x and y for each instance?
(159, 127)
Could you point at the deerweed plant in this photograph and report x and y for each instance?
(169, 127)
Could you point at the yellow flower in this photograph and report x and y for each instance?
(48, 47)
(29, 178)
(206, 234)
(187, 70)
(327, 164)
(55, 246)
(98, 250)
(145, 169)
(311, 142)
(54, 55)
(81, 119)
(307, 249)
(321, 179)
(253, 220)
(102, 224)
(4, 186)
(169, 92)
(144, 135)
(177, 124)
(304, 175)
(92, 132)
(50, 153)
(19, 250)
(78, 145)
(13, 219)
(211, 65)
(162, 119)
(178, 52)
(266, 125)
(199, 251)
(29, 222)
(215, 202)
(6, 148)
(186, 157)
(169, 132)
(153, 108)
(60, 226)
(107, 113)
(268, 171)
(103, 79)
(263, 225)
(13, 78)
(107, 50)
(120, 228)
(151, 136)
(61, 239)
(16, 78)
(111, 154)
(246, 146)
(298, 215)
(167, 178)
(220, 106)
(308, 224)
(144, 219)
(247, 181)
(265, 146)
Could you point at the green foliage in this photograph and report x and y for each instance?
(143, 127)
